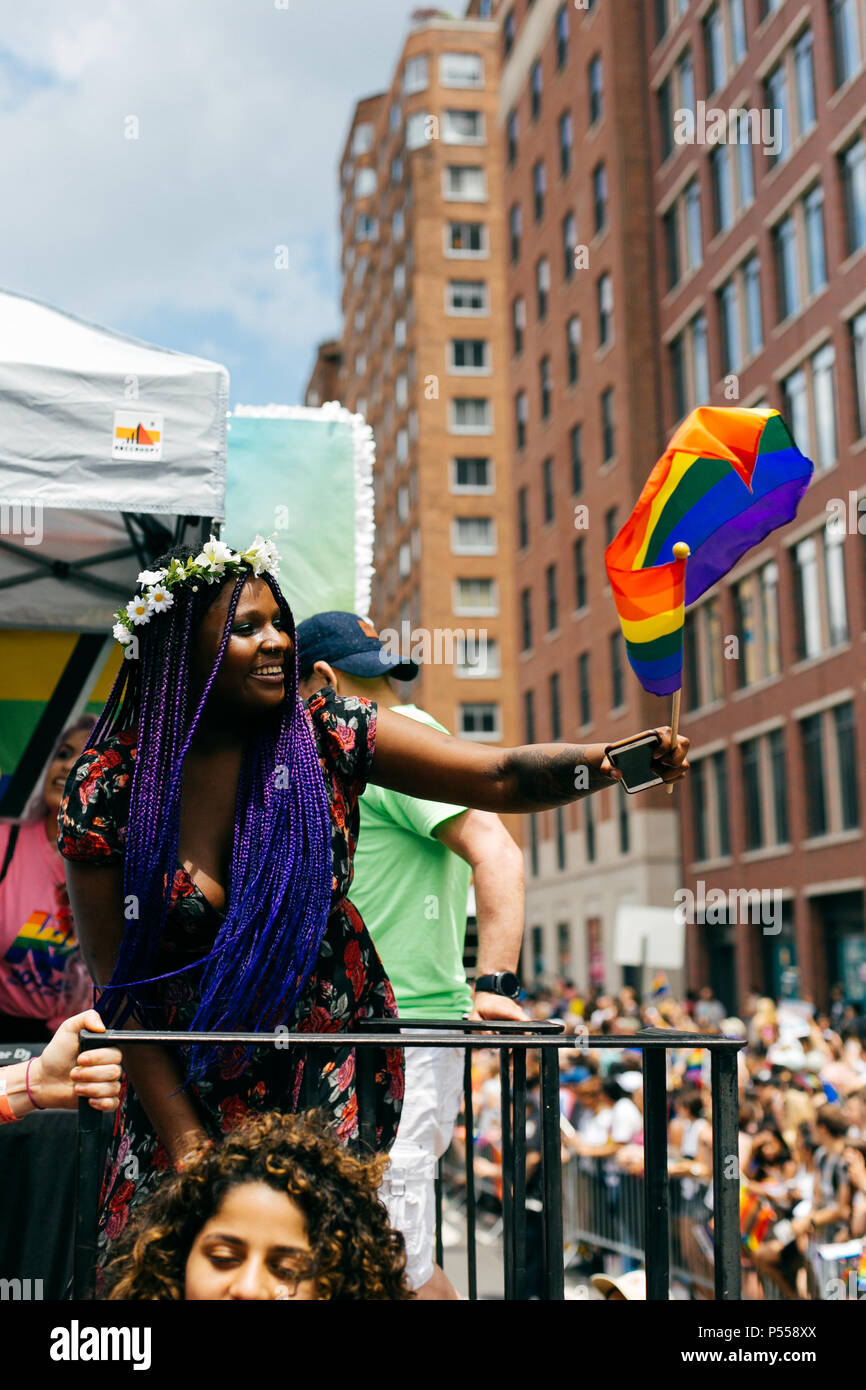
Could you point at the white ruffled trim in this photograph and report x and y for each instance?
(364, 455)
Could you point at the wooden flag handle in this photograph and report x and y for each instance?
(681, 552)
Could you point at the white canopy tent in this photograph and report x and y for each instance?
(110, 450)
(105, 443)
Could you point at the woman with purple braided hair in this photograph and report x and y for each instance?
(209, 830)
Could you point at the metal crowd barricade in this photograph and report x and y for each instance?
(513, 1041)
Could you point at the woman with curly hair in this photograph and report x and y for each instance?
(276, 1210)
(209, 829)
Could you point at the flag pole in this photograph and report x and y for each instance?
(681, 552)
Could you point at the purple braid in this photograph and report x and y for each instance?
(280, 891)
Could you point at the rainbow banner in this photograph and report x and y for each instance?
(728, 477)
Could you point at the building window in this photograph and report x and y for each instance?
(756, 606)
(787, 269)
(512, 132)
(670, 227)
(537, 933)
(465, 183)
(521, 417)
(523, 518)
(466, 240)
(623, 822)
(824, 403)
(745, 169)
(664, 106)
(397, 169)
(686, 80)
(415, 75)
(526, 619)
(362, 138)
(566, 141)
(795, 391)
(584, 696)
(596, 90)
(477, 661)
(572, 349)
(471, 415)
(720, 783)
(463, 127)
(562, 36)
(607, 425)
(580, 573)
(776, 100)
(476, 598)
(723, 188)
(605, 308)
(461, 70)
(569, 239)
(469, 355)
(418, 130)
(754, 316)
(529, 716)
(547, 490)
(518, 323)
(846, 754)
(473, 535)
(509, 30)
(539, 186)
(779, 784)
(694, 240)
(753, 830)
(480, 721)
(559, 823)
(536, 85)
(473, 475)
(702, 653)
(576, 454)
(542, 286)
(467, 297)
(589, 828)
(822, 609)
(617, 682)
(365, 183)
(729, 319)
(515, 228)
(811, 734)
(804, 71)
(737, 21)
(816, 255)
(550, 592)
(846, 39)
(714, 47)
(545, 384)
(555, 709)
(858, 348)
(599, 196)
(854, 184)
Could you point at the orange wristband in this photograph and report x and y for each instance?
(6, 1113)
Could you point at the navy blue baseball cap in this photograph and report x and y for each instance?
(350, 644)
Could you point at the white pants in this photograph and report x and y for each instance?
(431, 1102)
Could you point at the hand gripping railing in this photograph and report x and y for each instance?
(512, 1040)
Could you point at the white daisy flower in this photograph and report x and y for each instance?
(148, 577)
(120, 632)
(139, 610)
(159, 598)
(263, 556)
(214, 554)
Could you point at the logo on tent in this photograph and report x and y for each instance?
(136, 436)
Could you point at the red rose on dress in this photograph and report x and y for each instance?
(345, 736)
(122, 1195)
(234, 1112)
(349, 1119)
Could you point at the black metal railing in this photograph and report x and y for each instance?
(513, 1041)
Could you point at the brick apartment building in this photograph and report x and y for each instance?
(760, 259)
(587, 426)
(421, 358)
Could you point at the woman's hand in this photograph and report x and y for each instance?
(60, 1077)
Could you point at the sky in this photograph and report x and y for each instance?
(155, 153)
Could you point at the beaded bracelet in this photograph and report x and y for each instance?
(30, 1096)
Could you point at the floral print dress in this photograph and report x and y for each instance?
(348, 982)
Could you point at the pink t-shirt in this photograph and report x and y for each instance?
(42, 974)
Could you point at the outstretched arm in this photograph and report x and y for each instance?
(419, 761)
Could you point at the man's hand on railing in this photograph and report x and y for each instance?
(496, 1006)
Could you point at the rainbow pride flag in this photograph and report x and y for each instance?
(728, 477)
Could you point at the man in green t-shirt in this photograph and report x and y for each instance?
(413, 865)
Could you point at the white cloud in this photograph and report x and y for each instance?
(242, 110)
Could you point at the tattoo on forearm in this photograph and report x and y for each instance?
(550, 775)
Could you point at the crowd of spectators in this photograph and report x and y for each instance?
(802, 1129)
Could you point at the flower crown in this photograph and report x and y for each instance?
(214, 562)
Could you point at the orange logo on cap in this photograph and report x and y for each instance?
(367, 628)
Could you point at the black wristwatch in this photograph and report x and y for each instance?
(504, 982)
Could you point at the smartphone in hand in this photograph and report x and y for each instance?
(633, 756)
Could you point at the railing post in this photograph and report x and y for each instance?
(656, 1187)
(726, 1173)
(507, 1173)
(365, 1089)
(519, 1137)
(471, 1259)
(551, 1173)
(89, 1161)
